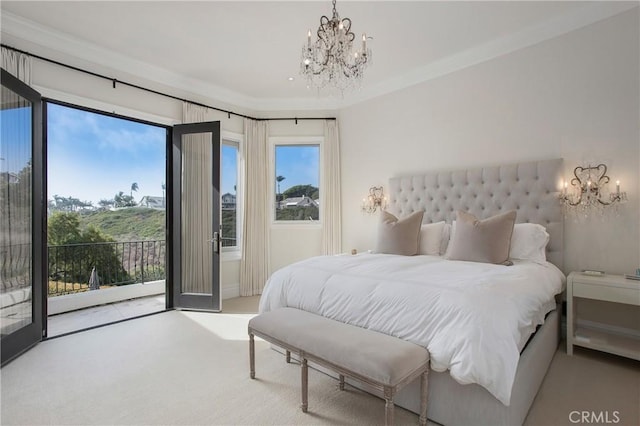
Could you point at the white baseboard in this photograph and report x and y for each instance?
(231, 291)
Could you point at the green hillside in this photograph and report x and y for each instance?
(128, 224)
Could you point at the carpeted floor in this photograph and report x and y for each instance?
(179, 368)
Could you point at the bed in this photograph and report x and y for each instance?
(492, 330)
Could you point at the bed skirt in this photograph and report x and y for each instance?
(453, 404)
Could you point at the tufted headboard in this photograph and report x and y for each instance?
(529, 188)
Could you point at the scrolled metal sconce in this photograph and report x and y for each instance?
(589, 190)
(374, 201)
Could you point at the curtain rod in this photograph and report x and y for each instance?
(156, 92)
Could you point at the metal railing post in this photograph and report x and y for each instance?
(142, 263)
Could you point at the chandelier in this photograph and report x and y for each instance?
(589, 191)
(329, 61)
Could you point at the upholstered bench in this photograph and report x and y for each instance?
(384, 362)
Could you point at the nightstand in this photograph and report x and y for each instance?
(610, 288)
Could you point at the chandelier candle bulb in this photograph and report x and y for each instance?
(618, 187)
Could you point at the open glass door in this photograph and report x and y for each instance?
(21, 218)
(196, 216)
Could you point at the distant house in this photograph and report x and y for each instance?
(152, 202)
(9, 177)
(303, 201)
(228, 201)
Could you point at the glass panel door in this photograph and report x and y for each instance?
(21, 218)
(196, 216)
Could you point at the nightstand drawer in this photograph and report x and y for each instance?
(607, 293)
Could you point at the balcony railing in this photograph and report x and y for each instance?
(119, 263)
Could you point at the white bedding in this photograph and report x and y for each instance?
(473, 317)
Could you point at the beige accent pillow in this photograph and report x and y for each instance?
(485, 240)
(399, 236)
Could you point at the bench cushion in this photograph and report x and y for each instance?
(379, 357)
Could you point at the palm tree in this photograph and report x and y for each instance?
(117, 199)
(164, 187)
(134, 187)
(280, 179)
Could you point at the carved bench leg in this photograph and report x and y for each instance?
(424, 389)
(341, 382)
(388, 406)
(288, 357)
(305, 379)
(252, 356)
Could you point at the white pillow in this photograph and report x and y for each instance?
(529, 242)
(447, 233)
(431, 238)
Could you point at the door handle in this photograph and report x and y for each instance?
(216, 242)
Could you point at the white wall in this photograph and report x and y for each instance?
(574, 97)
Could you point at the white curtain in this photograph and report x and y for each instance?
(330, 190)
(17, 64)
(254, 265)
(196, 209)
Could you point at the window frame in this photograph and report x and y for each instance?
(231, 253)
(276, 141)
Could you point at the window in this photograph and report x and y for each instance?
(229, 200)
(297, 175)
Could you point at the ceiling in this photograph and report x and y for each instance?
(242, 52)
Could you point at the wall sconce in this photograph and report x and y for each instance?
(374, 201)
(588, 190)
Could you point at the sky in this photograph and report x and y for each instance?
(298, 164)
(93, 157)
(15, 142)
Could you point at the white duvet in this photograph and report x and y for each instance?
(473, 317)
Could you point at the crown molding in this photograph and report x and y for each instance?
(57, 41)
